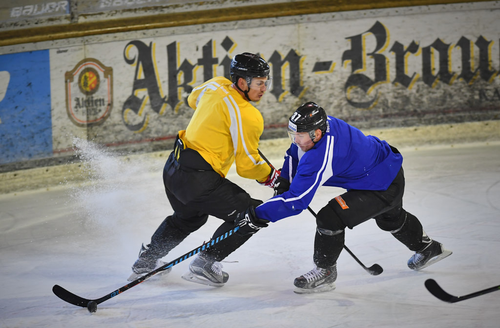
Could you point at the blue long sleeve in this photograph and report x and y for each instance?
(344, 157)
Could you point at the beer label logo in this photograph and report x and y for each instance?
(89, 81)
(89, 92)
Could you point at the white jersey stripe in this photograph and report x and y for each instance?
(233, 128)
(290, 168)
(235, 117)
(211, 86)
(325, 172)
(243, 143)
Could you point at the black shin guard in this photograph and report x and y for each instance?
(411, 232)
(329, 239)
(165, 238)
(221, 250)
(327, 247)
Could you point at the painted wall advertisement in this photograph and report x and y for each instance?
(383, 71)
(25, 107)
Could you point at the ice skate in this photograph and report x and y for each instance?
(145, 264)
(206, 271)
(317, 280)
(429, 255)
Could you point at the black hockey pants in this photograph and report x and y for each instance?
(357, 206)
(196, 191)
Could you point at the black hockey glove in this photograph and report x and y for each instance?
(248, 222)
(281, 185)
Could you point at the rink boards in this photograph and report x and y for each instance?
(383, 68)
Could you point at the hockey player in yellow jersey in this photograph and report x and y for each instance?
(225, 129)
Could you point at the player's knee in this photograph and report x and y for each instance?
(391, 221)
(187, 226)
(328, 221)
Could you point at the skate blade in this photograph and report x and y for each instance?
(191, 277)
(435, 259)
(159, 263)
(320, 289)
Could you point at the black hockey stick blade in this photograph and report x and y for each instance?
(74, 299)
(69, 297)
(374, 270)
(436, 290)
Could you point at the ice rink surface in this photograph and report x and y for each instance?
(86, 237)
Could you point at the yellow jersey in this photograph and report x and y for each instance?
(225, 128)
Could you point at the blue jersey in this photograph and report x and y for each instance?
(344, 157)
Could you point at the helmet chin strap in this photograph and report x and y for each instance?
(244, 92)
(312, 135)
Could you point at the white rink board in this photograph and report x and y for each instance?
(312, 39)
(376, 69)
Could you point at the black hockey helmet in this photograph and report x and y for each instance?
(248, 66)
(307, 118)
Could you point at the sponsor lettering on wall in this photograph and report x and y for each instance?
(384, 72)
(89, 92)
(388, 71)
(19, 10)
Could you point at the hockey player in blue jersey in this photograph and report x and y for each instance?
(326, 151)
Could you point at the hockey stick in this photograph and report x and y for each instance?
(436, 290)
(91, 304)
(374, 270)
